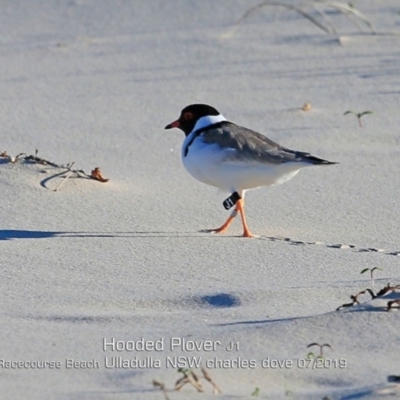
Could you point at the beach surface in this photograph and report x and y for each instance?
(104, 285)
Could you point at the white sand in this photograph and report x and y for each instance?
(95, 82)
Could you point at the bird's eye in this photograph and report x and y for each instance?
(187, 116)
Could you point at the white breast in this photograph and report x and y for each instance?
(213, 165)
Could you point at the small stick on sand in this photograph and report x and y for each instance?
(387, 289)
(161, 386)
(354, 299)
(188, 377)
(390, 304)
(23, 157)
(63, 181)
(207, 377)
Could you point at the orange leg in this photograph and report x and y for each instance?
(239, 208)
(227, 223)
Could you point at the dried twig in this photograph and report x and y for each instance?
(188, 377)
(207, 376)
(69, 172)
(350, 11)
(392, 303)
(161, 386)
(195, 381)
(354, 299)
(370, 291)
(279, 3)
(63, 181)
(388, 288)
(315, 6)
(345, 305)
(191, 377)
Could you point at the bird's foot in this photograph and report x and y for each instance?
(247, 233)
(221, 229)
(225, 225)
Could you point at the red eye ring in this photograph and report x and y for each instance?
(187, 116)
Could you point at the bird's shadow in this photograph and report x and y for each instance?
(9, 234)
(218, 300)
(260, 321)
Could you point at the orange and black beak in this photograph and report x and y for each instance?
(175, 124)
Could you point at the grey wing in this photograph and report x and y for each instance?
(252, 146)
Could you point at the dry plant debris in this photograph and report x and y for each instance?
(392, 303)
(315, 11)
(207, 376)
(387, 289)
(67, 173)
(190, 377)
(354, 299)
(96, 174)
(161, 386)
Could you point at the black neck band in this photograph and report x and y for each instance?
(200, 131)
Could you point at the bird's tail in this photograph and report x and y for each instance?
(318, 161)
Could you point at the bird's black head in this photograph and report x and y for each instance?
(190, 115)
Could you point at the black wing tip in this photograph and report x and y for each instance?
(320, 161)
(326, 162)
